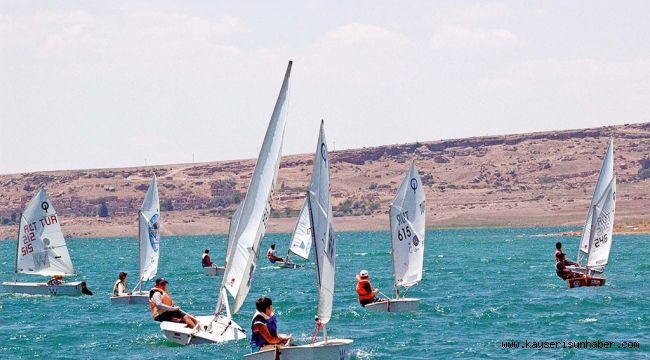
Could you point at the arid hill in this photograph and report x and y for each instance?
(544, 178)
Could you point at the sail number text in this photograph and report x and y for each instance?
(403, 232)
(601, 240)
(29, 236)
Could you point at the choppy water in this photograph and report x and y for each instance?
(480, 287)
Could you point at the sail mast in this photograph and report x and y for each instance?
(139, 286)
(594, 219)
(20, 220)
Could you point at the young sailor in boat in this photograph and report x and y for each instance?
(206, 259)
(365, 290)
(264, 326)
(162, 306)
(558, 251)
(119, 288)
(56, 280)
(561, 268)
(271, 255)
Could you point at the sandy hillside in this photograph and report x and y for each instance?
(544, 178)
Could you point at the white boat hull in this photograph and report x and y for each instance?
(66, 289)
(182, 335)
(333, 349)
(214, 270)
(136, 297)
(395, 305)
(288, 265)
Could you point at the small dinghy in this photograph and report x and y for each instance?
(148, 246)
(407, 226)
(215, 270)
(247, 228)
(320, 215)
(300, 240)
(596, 240)
(41, 250)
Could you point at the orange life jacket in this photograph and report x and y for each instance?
(363, 294)
(166, 299)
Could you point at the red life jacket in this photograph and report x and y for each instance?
(363, 293)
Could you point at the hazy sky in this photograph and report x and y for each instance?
(87, 84)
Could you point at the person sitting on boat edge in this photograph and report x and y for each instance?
(562, 271)
(205, 261)
(119, 288)
(365, 290)
(558, 251)
(162, 306)
(56, 280)
(271, 255)
(264, 327)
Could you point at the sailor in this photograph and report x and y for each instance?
(561, 268)
(206, 262)
(365, 290)
(558, 251)
(56, 280)
(271, 255)
(162, 306)
(264, 326)
(119, 288)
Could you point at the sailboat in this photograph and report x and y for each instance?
(300, 240)
(407, 226)
(220, 270)
(320, 217)
(41, 250)
(148, 246)
(596, 240)
(247, 227)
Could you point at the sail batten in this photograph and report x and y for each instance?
(407, 221)
(250, 225)
(42, 249)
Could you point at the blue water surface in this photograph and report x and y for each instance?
(481, 287)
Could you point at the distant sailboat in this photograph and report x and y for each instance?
(301, 238)
(596, 240)
(148, 246)
(323, 238)
(41, 250)
(247, 227)
(407, 226)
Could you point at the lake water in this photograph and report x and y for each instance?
(481, 287)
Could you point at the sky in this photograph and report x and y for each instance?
(94, 84)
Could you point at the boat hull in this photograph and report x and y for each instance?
(395, 305)
(214, 270)
(136, 298)
(182, 335)
(66, 289)
(289, 265)
(586, 281)
(335, 349)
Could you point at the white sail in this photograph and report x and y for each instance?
(149, 232)
(301, 239)
(41, 246)
(605, 177)
(407, 223)
(256, 207)
(600, 242)
(320, 213)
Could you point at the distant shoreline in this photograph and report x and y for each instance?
(180, 224)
